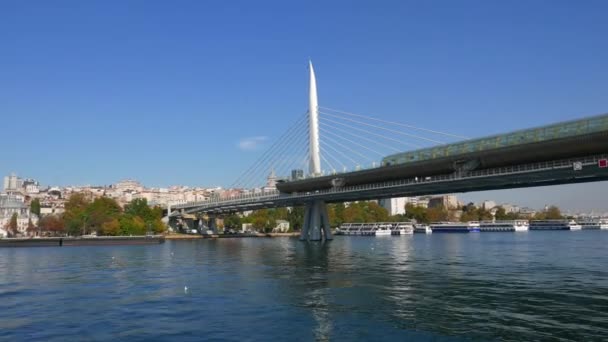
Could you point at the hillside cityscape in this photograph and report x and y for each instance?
(33, 209)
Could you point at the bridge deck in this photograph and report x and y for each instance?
(572, 170)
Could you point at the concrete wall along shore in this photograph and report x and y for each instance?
(82, 241)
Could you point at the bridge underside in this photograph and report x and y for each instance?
(568, 171)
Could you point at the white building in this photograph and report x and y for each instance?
(395, 206)
(487, 205)
(9, 205)
(12, 183)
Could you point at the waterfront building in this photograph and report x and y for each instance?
(14, 204)
(445, 201)
(394, 206)
(488, 205)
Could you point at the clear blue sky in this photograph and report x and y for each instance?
(92, 92)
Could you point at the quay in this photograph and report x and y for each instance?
(82, 241)
(227, 236)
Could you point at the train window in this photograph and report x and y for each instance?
(462, 148)
(540, 134)
(452, 150)
(511, 139)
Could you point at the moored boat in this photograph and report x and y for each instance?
(455, 227)
(402, 228)
(504, 226)
(422, 228)
(554, 225)
(593, 223)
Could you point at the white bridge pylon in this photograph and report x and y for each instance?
(316, 222)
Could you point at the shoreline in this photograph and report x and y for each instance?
(82, 241)
(228, 236)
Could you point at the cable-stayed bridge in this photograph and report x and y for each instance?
(330, 155)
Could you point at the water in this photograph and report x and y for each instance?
(444, 287)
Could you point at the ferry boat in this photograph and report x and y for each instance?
(382, 229)
(455, 227)
(422, 228)
(594, 223)
(402, 228)
(375, 229)
(554, 225)
(504, 226)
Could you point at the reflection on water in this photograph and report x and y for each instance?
(513, 287)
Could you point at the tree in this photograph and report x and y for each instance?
(501, 214)
(232, 221)
(132, 225)
(437, 214)
(35, 207)
(100, 211)
(11, 226)
(139, 207)
(75, 215)
(111, 227)
(553, 213)
(51, 224)
(31, 228)
(296, 218)
(417, 213)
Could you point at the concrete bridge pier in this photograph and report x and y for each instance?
(212, 224)
(316, 222)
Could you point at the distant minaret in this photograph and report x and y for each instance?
(271, 181)
(313, 117)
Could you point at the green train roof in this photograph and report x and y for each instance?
(560, 130)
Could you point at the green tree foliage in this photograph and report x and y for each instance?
(417, 213)
(232, 221)
(296, 218)
(437, 214)
(111, 227)
(552, 213)
(75, 215)
(150, 216)
(471, 213)
(139, 207)
(132, 225)
(35, 207)
(100, 211)
(105, 217)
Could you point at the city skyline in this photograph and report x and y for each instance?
(124, 106)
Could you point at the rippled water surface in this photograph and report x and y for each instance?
(452, 287)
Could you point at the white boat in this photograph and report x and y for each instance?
(504, 226)
(593, 223)
(554, 225)
(382, 229)
(375, 229)
(455, 227)
(402, 228)
(422, 228)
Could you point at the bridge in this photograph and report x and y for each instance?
(562, 153)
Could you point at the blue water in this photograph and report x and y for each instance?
(442, 287)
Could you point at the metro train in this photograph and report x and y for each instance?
(569, 139)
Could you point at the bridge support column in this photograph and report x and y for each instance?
(316, 222)
(213, 224)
